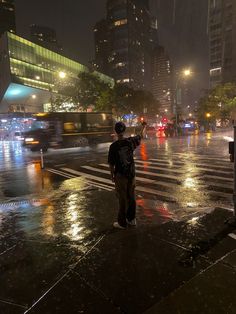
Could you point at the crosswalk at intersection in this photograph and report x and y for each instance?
(189, 180)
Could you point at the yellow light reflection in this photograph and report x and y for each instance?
(190, 183)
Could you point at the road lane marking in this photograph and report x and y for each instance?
(141, 179)
(138, 188)
(198, 165)
(232, 235)
(218, 178)
(158, 168)
(153, 174)
(69, 176)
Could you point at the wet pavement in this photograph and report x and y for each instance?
(60, 254)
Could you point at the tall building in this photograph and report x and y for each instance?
(31, 75)
(162, 79)
(7, 16)
(129, 39)
(44, 36)
(102, 46)
(222, 36)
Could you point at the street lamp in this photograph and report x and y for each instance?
(62, 75)
(183, 74)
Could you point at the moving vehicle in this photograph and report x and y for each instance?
(68, 129)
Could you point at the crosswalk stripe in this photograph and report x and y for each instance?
(158, 168)
(202, 156)
(218, 178)
(70, 176)
(160, 175)
(179, 164)
(138, 188)
(66, 175)
(141, 179)
(232, 235)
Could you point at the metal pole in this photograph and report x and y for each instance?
(234, 195)
(42, 161)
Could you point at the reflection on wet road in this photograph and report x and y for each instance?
(186, 172)
(56, 235)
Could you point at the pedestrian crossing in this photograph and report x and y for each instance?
(166, 179)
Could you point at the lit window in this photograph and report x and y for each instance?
(120, 64)
(120, 22)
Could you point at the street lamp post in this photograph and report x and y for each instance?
(61, 75)
(184, 74)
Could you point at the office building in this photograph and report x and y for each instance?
(162, 79)
(44, 36)
(102, 46)
(30, 75)
(222, 37)
(7, 16)
(130, 41)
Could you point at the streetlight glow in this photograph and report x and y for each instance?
(62, 75)
(208, 115)
(34, 96)
(187, 72)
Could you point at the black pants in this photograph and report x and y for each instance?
(125, 189)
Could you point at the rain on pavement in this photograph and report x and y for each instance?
(63, 212)
(190, 173)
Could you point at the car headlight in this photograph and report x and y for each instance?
(29, 139)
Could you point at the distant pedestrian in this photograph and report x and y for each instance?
(122, 168)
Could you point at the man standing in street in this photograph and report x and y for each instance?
(122, 168)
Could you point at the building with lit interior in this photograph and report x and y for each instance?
(31, 75)
(162, 79)
(222, 36)
(128, 34)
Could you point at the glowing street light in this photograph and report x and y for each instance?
(208, 115)
(187, 72)
(190, 115)
(62, 74)
(33, 96)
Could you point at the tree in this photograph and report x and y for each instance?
(218, 103)
(92, 91)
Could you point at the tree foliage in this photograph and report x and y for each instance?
(90, 91)
(218, 103)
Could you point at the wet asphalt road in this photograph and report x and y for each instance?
(60, 254)
(188, 172)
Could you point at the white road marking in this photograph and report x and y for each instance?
(232, 235)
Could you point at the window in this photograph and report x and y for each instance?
(120, 22)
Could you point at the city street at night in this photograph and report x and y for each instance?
(59, 250)
(117, 157)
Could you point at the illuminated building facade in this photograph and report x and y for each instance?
(7, 16)
(102, 46)
(130, 37)
(162, 79)
(30, 75)
(222, 35)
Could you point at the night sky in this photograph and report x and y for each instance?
(186, 40)
(72, 19)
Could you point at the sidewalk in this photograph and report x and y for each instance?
(60, 254)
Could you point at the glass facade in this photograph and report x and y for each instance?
(35, 66)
